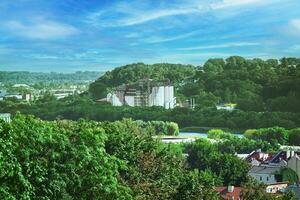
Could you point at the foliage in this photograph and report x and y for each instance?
(58, 161)
(77, 107)
(216, 134)
(39, 78)
(287, 174)
(91, 160)
(294, 137)
(273, 135)
(132, 73)
(204, 155)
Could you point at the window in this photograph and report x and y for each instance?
(260, 178)
(267, 178)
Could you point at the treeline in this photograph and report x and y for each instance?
(77, 107)
(253, 84)
(112, 160)
(275, 135)
(91, 160)
(176, 73)
(31, 78)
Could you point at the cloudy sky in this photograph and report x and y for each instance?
(72, 35)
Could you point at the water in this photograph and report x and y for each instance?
(201, 135)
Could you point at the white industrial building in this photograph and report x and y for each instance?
(145, 93)
(6, 117)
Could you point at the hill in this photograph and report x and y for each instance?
(176, 73)
(252, 84)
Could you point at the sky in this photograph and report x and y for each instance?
(98, 35)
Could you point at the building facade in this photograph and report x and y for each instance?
(6, 117)
(145, 93)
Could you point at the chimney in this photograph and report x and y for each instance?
(292, 153)
(288, 154)
(230, 188)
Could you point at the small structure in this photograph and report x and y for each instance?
(227, 106)
(230, 192)
(6, 117)
(276, 187)
(2, 94)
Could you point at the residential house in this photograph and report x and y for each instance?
(230, 192)
(265, 173)
(276, 187)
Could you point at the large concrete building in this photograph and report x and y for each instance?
(144, 93)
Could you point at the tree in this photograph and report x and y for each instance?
(294, 137)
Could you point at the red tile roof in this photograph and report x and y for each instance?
(228, 195)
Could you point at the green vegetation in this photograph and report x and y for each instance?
(275, 135)
(76, 107)
(254, 85)
(176, 73)
(91, 160)
(39, 80)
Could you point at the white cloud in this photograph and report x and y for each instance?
(292, 29)
(135, 13)
(295, 24)
(140, 19)
(234, 3)
(41, 29)
(154, 39)
(218, 46)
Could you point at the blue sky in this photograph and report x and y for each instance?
(72, 35)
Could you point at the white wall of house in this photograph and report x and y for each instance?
(264, 178)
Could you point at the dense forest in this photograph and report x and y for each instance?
(252, 84)
(267, 94)
(31, 78)
(77, 107)
(118, 160)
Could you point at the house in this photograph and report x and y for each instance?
(257, 157)
(230, 192)
(144, 93)
(277, 187)
(227, 106)
(265, 173)
(6, 117)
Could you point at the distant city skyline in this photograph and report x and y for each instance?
(93, 35)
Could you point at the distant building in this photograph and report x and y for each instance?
(230, 192)
(2, 94)
(276, 187)
(228, 107)
(144, 93)
(6, 117)
(14, 96)
(62, 93)
(21, 85)
(265, 173)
